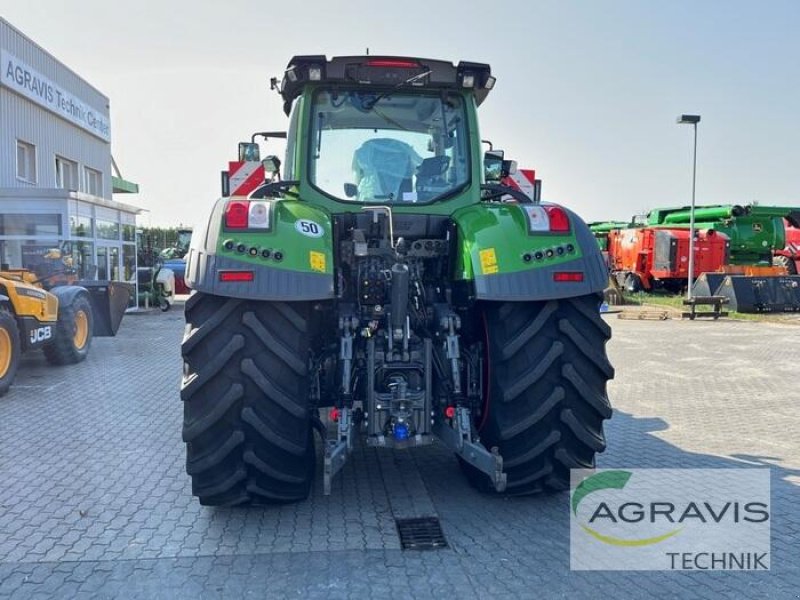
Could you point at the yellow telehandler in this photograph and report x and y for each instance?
(54, 313)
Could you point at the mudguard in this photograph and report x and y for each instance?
(291, 260)
(66, 294)
(507, 261)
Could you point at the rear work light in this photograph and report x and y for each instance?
(568, 276)
(236, 276)
(543, 219)
(247, 214)
(315, 73)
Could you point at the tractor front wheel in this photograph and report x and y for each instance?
(9, 350)
(545, 396)
(73, 333)
(247, 422)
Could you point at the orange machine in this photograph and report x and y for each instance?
(646, 258)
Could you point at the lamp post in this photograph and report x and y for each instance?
(691, 120)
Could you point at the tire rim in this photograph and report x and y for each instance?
(81, 330)
(5, 352)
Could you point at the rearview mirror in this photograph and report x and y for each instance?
(249, 151)
(493, 165)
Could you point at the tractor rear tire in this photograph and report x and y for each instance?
(9, 350)
(785, 262)
(73, 333)
(247, 421)
(545, 400)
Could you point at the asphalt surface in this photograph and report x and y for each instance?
(95, 503)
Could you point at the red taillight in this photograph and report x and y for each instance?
(559, 221)
(450, 412)
(236, 214)
(236, 276)
(392, 63)
(563, 276)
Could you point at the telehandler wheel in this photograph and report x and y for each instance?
(9, 350)
(73, 333)
(247, 424)
(545, 398)
(785, 262)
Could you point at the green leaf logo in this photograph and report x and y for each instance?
(616, 480)
(599, 481)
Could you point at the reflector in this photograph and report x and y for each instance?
(236, 276)
(564, 276)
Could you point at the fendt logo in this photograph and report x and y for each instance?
(715, 519)
(41, 334)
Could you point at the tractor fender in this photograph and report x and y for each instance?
(498, 250)
(291, 259)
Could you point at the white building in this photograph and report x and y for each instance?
(55, 167)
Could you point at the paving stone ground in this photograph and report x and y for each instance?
(95, 503)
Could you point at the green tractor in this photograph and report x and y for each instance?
(388, 278)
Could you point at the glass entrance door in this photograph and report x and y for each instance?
(108, 263)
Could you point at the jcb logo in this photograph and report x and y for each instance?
(41, 334)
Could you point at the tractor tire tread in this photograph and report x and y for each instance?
(9, 324)
(547, 391)
(62, 350)
(247, 422)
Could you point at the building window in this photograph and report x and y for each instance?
(128, 233)
(83, 260)
(107, 230)
(30, 224)
(94, 182)
(66, 174)
(80, 226)
(26, 162)
(128, 262)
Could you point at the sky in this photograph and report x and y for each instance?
(587, 91)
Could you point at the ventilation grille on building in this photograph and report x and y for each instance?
(420, 534)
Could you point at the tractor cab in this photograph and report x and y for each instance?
(384, 130)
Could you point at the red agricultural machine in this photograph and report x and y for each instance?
(647, 258)
(789, 256)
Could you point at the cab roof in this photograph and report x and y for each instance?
(384, 72)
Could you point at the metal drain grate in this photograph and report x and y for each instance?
(420, 534)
